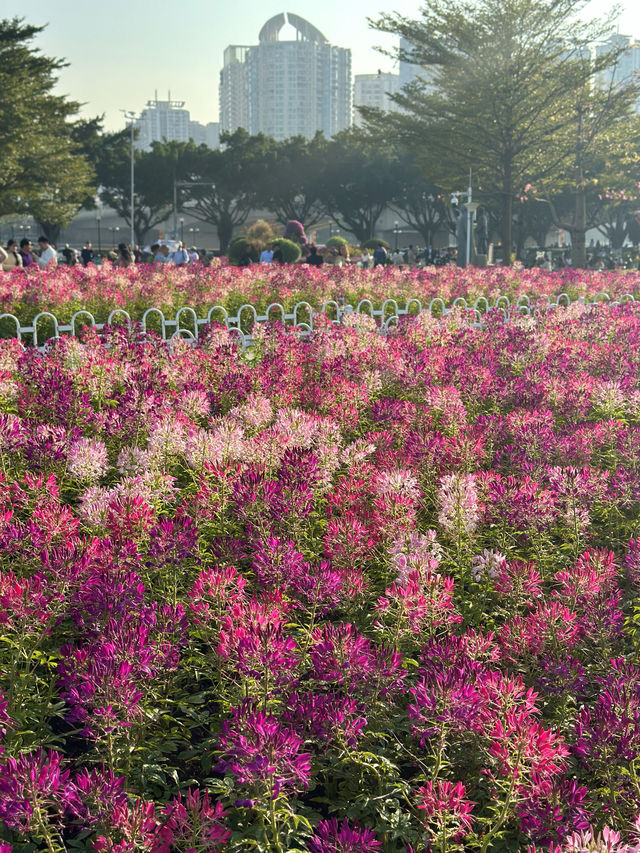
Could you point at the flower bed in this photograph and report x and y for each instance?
(64, 290)
(354, 594)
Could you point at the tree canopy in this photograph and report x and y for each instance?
(44, 171)
(496, 92)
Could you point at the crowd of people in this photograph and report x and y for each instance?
(340, 256)
(44, 255)
(23, 255)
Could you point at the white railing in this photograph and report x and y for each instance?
(187, 324)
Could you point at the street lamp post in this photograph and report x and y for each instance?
(194, 238)
(114, 229)
(471, 208)
(396, 231)
(182, 229)
(98, 223)
(131, 117)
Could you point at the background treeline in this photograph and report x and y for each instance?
(513, 91)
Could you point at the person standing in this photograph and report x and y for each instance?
(245, 257)
(160, 253)
(48, 257)
(125, 258)
(69, 255)
(13, 259)
(25, 252)
(397, 259)
(379, 256)
(365, 259)
(278, 257)
(86, 254)
(266, 255)
(180, 257)
(313, 258)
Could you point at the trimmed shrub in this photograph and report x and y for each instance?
(294, 231)
(290, 250)
(336, 242)
(237, 247)
(260, 233)
(373, 243)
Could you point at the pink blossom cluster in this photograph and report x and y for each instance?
(347, 593)
(100, 290)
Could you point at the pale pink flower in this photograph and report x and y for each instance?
(88, 460)
(459, 507)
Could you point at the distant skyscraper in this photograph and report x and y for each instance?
(373, 90)
(628, 65)
(289, 87)
(205, 134)
(162, 120)
(234, 94)
(408, 71)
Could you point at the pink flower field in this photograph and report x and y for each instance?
(63, 290)
(343, 594)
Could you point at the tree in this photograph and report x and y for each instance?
(420, 203)
(223, 185)
(155, 173)
(495, 94)
(44, 171)
(292, 180)
(359, 179)
(603, 136)
(87, 136)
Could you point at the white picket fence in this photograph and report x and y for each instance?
(187, 324)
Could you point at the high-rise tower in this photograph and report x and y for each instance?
(286, 87)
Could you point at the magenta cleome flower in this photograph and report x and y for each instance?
(262, 753)
(331, 837)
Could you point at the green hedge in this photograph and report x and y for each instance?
(290, 250)
(236, 249)
(373, 243)
(336, 242)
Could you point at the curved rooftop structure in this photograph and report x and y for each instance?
(306, 32)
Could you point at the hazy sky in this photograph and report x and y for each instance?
(121, 51)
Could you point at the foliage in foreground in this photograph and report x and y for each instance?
(353, 594)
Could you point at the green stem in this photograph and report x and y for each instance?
(274, 827)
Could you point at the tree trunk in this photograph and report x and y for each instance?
(579, 231)
(507, 215)
(50, 230)
(225, 232)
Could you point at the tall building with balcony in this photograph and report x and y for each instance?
(162, 120)
(374, 90)
(286, 87)
(234, 93)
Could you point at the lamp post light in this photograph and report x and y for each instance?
(471, 208)
(98, 223)
(193, 235)
(114, 230)
(131, 118)
(396, 231)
